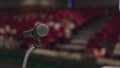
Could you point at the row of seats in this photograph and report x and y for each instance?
(62, 23)
(107, 36)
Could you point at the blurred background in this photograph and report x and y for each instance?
(82, 33)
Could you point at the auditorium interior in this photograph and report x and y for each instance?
(82, 33)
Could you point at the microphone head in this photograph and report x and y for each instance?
(41, 30)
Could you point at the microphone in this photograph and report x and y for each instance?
(40, 30)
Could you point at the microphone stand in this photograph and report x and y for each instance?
(30, 49)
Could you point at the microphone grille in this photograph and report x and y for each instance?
(42, 30)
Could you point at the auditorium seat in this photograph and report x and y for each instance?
(108, 32)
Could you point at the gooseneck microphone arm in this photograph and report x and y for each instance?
(40, 30)
(27, 55)
(30, 49)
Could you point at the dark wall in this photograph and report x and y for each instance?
(96, 3)
(59, 3)
(17, 3)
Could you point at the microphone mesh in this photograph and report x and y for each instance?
(42, 30)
